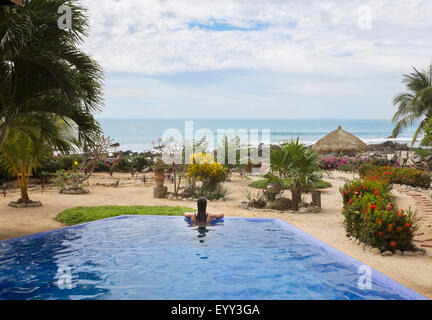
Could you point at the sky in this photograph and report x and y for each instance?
(256, 59)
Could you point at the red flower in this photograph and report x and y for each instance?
(393, 244)
(407, 225)
(380, 233)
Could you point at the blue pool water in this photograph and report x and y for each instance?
(154, 257)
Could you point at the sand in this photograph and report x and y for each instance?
(414, 272)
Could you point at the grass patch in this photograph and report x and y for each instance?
(77, 215)
(286, 185)
(323, 185)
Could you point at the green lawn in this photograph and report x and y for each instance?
(262, 184)
(77, 215)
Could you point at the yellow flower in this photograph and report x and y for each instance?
(76, 163)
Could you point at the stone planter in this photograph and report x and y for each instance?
(31, 204)
(159, 178)
(159, 192)
(74, 191)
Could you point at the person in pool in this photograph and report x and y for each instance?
(202, 217)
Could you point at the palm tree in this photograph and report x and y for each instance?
(42, 71)
(415, 103)
(297, 163)
(24, 148)
(21, 154)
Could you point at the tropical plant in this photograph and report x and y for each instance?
(297, 163)
(414, 104)
(372, 217)
(43, 73)
(21, 153)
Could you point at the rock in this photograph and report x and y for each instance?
(274, 188)
(408, 253)
(280, 204)
(419, 253)
(375, 251)
(170, 196)
(304, 210)
(387, 254)
(398, 252)
(417, 159)
(257, 203)
(243, 205)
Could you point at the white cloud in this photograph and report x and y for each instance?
(312, 48)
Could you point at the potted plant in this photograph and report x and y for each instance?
(159, 170)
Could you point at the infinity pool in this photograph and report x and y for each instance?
(155, 257)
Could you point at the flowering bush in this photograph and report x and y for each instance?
(408, 176)
(359, 188)
(204, 169)
(332, 163)
(345, 164)
(374, 219)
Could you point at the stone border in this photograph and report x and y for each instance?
(417, 251)
(73, 191)
(171, 197)
(310, 209)
(32, 204)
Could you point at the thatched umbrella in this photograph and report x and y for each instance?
(17, 2)
(339, 141)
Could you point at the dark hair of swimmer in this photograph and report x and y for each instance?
(202, 207)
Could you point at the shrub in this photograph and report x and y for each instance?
(347, 167)
(210, 174)
(371, 217)
(332, 163)
(359, 188)
(123, 164)
(407, 176)
(5, 176)
(199, 191)
(139, 162)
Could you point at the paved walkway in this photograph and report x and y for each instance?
(423, 236)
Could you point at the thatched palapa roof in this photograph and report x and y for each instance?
(339, 141)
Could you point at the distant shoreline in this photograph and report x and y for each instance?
(136, 135)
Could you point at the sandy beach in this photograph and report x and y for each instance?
(412, 271)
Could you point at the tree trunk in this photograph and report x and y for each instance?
(23, 185)
(316, 198)
(24, 196)
(296, 196)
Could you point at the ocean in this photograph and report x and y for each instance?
(137, 134)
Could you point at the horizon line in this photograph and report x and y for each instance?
(236, 118)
